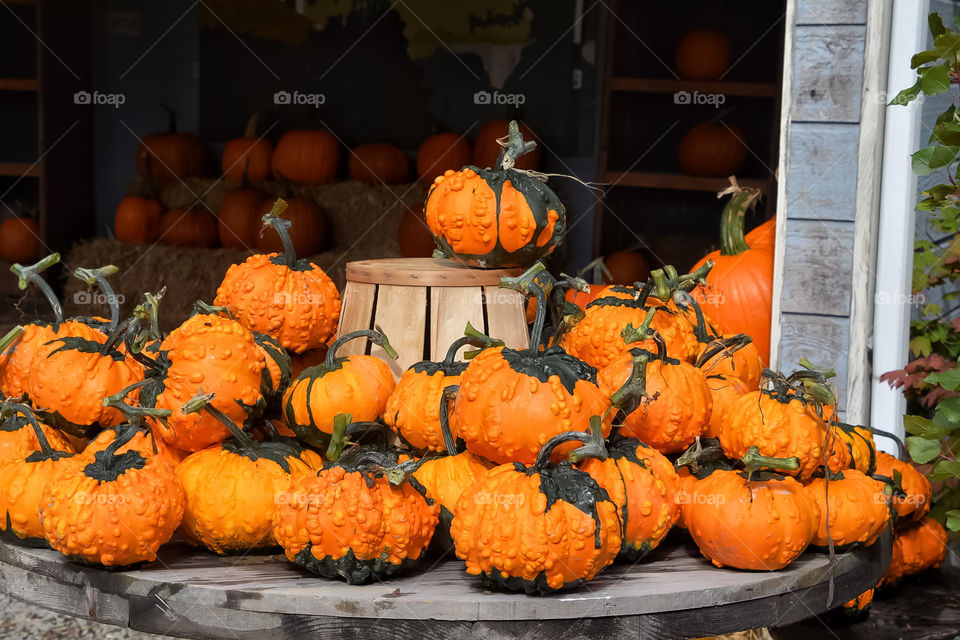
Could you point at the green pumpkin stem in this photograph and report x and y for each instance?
(815, 383)
(631, 334)
(201, 402)
(732, 241)
(629, 396)
(10, 337)
(212, 309)
(514, 146)
(661, 287)
(282, 227)
(339, 438)
(376, 336)
(134, 414)
(697, 454)
(9, 408)
(726, 346)
(471, 336)
(593, 445)
(754, 461)
(147, 315)
(31, 274)
(700, 330)
(449, 393)
(98, 277)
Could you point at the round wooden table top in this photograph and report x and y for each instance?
(673, 593)
(424, 272)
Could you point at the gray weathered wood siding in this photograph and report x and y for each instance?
(818, 196)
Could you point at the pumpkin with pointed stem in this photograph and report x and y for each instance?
(231, 488)
(858, 510)
(206, 353)
(413, 409)
(18, 439)
(644, 485)
(597, 339)
(350, 521)
(289, 299)
(863, 450)
(497, 217)
(912, 491)
(738, 294)
(22, 481)
(701, 459)
(677, 404)
(752, 520)
(248, 157)
(69, 381)
(117, 510)
(783, 421)
(357, 385)
(539, 528)
(511, 402)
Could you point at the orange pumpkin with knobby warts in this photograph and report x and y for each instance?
(440, 153)
(750, 519)
(912, 494)
(306, 156)
(863, 450)
(18, 438)
(701, 459)
(497, 217)
(921, 546)
(445, 478)
(355, 385)
(290, 299)
(247, 157)
(724, 390)
(859, 510)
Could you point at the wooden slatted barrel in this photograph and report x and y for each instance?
(424, 304)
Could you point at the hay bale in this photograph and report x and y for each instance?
(363, 219)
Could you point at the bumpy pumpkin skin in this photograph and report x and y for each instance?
(445, 479)
(515, 528)
(859, 509)
(22, 486)
(116, 523)
(762, 525)
(337, 525)
(73, 384)
(781, 430)
(644, 485)
(231, 499)
(300, 307)
(215, 355)
(17, 439)
(916, 504)
(724, 390)
(506, 415)
(16, 359)
(678, 406)
(744, 363)
(142, 442)
(920, 547)
(863, 450)
(413, 409)
(494, 218)
(359, 387)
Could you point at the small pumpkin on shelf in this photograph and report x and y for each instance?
(249, 157)
(306, 156)
(137, 219)
(19, 239)
(191, 226)
(539, 528)
(289, 299)
(350, 521)
(238, 219)
(23, 480)
(498, 217)
(713, 149)
(356, 385)
(170, 155)
(231, 488)
(378, 163)
(703, 55)
(307, 229)
(117, 510)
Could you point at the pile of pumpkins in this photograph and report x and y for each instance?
(247, 428)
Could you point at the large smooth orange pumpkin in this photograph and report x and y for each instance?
(416, 240)
(308, 231)
(764, 235)
(486, 149)
(378, 163)
(248, 155)
(306, 156)
(739, 290)
(19, 240)
(190, 227)
(239, 217)
(170, 155)
(137, 219)
(713, 149)
(703, 55)
(626, 267)
(442, 152)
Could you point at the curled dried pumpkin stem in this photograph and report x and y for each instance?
(593, 444)
(376, 336)
(697, 455)
(282, 227)
(513, 146)
(10, 408)
(471, 336)
(131, 413)
(753, 460)
(31, 275)
(732, 241)
(449, 393)
(98, 278)
(631, 394)
(631, 334)
(727, 346)
(202, 402)
(10, 337)
(211, 309)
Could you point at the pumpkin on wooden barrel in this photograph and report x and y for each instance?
(498, 217)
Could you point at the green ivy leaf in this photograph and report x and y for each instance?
(945, 470)
(924, 57)
(935, 22)
(935, 80)
(908, 95)
(925, 428)
(923, 450)
(943, 155)
(950, 409)
(920, 161)
(953, 517)
(949, 380)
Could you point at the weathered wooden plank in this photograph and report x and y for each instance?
(819, 12)
(827, 73)
(506, 317)
(358, 298)
(825, 341)
(450, 310)
(822, 178)
(818, 267)
(402, 315)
